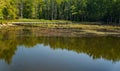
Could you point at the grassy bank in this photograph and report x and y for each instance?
(33, 20)
(71, 28)
(39, 20)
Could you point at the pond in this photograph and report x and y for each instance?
(23, 50)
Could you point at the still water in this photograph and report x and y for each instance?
(31, 53)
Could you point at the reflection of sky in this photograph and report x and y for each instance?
(43, 58)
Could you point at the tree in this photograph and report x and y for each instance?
(75, 10)
(28, 9)
(9, 9)
(5, 13)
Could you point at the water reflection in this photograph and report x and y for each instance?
(96, 47)
(14, 47)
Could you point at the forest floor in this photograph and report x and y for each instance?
(66, 28)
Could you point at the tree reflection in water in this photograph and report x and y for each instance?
(96, 47)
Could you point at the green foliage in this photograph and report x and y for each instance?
(5, 13)
(8, 9)
(75, 10)
(27, 9)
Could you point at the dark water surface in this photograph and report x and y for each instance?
(31, 53)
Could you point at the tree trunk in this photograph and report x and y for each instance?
(119, 20)
(21, 10)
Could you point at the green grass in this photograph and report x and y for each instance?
(34, 20)
(39, 20)
(3, 21)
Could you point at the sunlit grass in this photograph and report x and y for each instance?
(61, 24)
(38, 20)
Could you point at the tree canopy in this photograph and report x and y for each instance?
(75, 10)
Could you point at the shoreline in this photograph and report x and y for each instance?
(6, 25)
(66, 29)
(55, 31)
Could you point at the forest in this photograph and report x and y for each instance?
(74, 10)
